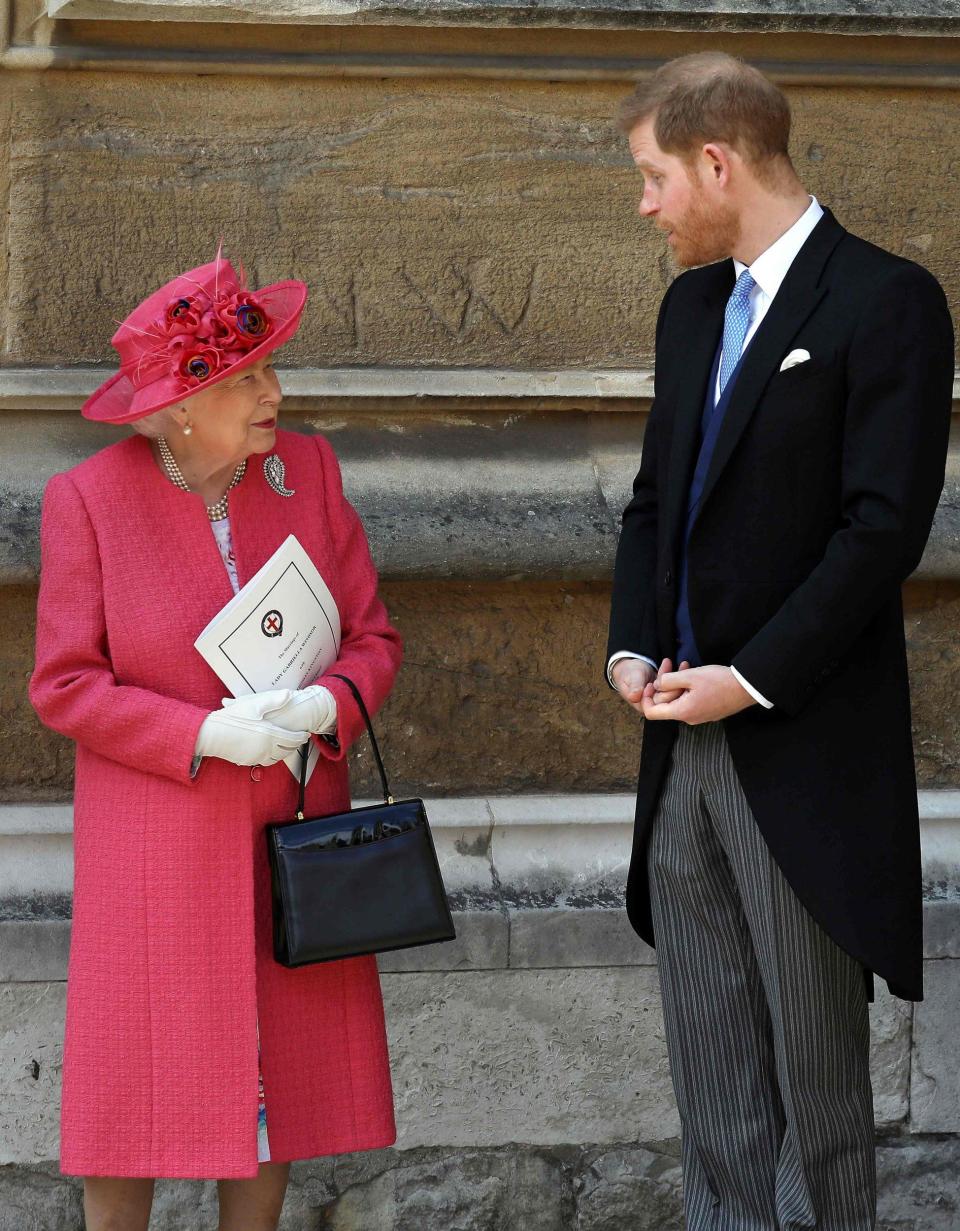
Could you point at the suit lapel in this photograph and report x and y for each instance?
(703, 333)
(799, 294)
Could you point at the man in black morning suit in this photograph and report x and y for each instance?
(790, 471)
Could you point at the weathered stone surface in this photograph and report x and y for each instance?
(545, 1057)
(36, 864)
(572, 1038)
(319, 391)
(935, 1082)
(941, 868)
(869, 15)
(585, 1050)
(931, 616)
(443, 496)
(523, 1190)
(483, 939)
(550, 851)
(631, 1189)
(891, 1022)
(918, 1185)
(628, 1187)
(34, 951)
(39, 1199)
(520, 665)
(492, 931)
(180, 1205)
(478, 1059)
(941, 929)
(569, 938)
(35, 763)
(501, 691)
(438, 222)
(385, 1190)
(382, 196)
(31, 1036)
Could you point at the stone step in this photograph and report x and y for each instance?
(544, 958)
(848, 16)
(531, 494)
(536, 882)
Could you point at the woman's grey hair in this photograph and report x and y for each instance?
(160, 423)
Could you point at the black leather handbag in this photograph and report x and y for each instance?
(364, 881)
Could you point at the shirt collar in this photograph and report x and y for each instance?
(770, 268)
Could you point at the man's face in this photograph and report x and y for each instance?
(684, 201)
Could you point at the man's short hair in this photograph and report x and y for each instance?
(711, 96)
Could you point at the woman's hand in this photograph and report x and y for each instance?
(313, 707)
(303, 709)
(258, 705)
(246, 741)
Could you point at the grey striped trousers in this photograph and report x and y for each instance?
(766, 1018)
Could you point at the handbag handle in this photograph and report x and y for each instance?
(305, 750)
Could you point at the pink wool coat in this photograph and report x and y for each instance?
(171, 961)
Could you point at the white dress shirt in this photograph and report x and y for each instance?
(768, 272)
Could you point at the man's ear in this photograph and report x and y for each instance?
(717, 160)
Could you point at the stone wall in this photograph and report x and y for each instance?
(467, 223)
(528, 1055)
(478, 346)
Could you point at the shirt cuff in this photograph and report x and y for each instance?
(615, 658)
(757, 696)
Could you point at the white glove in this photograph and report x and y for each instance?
(246, 741)
(258, 705)
(313, 709)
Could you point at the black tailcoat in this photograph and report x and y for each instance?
(816, 507)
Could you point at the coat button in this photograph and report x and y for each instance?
(256, 773)
(668, 578)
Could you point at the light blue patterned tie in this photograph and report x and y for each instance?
(736, 322)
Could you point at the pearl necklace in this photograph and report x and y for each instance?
(215, 512)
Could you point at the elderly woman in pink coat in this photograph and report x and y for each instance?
(189, 1051)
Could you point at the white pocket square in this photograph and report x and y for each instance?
(795, 357)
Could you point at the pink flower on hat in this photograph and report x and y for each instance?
(211, 329)
(196, 364)
(183, 315)
(247, 319)
(204, 338)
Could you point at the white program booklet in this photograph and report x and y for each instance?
(281, 631)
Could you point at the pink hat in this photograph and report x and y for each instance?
(195, 331)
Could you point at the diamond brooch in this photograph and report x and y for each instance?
(274, 472)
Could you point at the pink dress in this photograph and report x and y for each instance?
(171, 963)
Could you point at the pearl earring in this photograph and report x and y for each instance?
(187, 429)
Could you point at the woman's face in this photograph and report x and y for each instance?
(236, 417)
